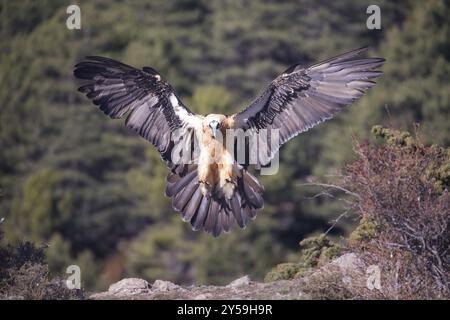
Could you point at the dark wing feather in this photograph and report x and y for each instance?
(301, 98)
(152, 107)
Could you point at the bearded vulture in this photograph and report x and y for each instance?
(210, 188)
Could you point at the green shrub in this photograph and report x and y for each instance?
(318, 250)
(365, 231)
(283, 271)
(315, 251)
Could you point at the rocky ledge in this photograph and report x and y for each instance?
(242, 288)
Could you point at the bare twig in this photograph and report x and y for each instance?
(336, 221)
(332, 186)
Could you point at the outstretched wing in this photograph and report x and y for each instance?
(301, 98)
(152, 107)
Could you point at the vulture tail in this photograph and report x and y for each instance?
(213, 212)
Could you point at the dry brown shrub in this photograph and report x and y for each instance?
(24, 275)
(402, 198)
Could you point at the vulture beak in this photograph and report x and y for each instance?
(214, 126)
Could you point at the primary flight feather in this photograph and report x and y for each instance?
(212, 189)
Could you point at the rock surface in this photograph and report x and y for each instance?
(129, 287)
(161, 285)
(241, 288)
(244, 281)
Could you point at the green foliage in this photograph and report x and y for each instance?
(394, 137)
(211, 98)
(39, 199)
(365, 231)
(318, 250)
(237, 254)
(314, 252)
(283, 271)
(437, 171)
(414, 84)
(440, 175)
(158, 253)
(413, 88)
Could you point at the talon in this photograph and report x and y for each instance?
(205, 187)
(205, 182)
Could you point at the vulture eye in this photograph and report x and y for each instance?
(214, 124)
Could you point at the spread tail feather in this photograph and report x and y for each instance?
(213, 212)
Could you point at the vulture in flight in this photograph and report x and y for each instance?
(208, 186)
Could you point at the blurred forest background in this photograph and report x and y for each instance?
(92, 193)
